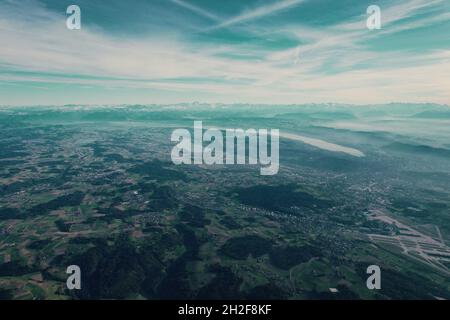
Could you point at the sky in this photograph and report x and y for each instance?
(224, 51)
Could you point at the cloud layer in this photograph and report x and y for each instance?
(260, 54)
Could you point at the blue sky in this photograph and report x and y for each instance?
(252, 51)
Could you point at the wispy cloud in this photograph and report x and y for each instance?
(196, 9)
(259, 12)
